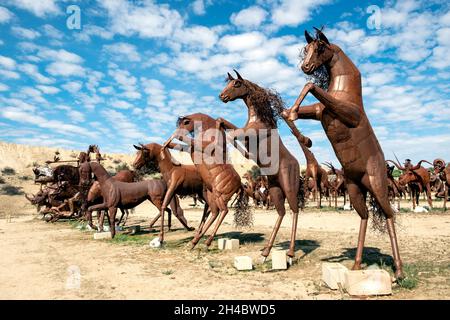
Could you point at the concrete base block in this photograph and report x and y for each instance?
(221, 243)
(279, 260)
(332, 274)
(155, 243)
(368, 282)
(102, 235)
(232, 244)
(243, 263)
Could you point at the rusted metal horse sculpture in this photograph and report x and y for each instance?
(284, 183)
(117, 194)
(418, 180)
(341, 112)
(220, 178)
(94, 196)
(444, 174)
(338, 186)
(318, 175)
(181, 179)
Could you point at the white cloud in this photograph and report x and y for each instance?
(196, 36)
(242, 41)
(52, 32)
(146, 19)
(29, 34)
(5, 15)
(48, 89)
(65, 69)
(294, 12)
(7, 62)
(39, 8)
(3, 87)
(72, 86)
(91, 30)
(198, 6)
(33, 72)
(122, 51)
(155, 90)
(122, 125)
(9, 74)
(26, 117)
(121, 104)
(251, 17)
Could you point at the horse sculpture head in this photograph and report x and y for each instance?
(235, 89)
(267, 103)
(146, 155)
(317, 52)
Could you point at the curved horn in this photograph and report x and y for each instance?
(230, 77)
(397, 165)
(321, 36)
(308, 37)
(417, 166)
(238, 75)
(439, 161)
(28, 197)
(136, 147)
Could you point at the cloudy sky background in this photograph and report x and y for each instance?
(134, 67)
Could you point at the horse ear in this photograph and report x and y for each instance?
(308, 37)
(136, 147)
(321, 36)
(230, 77)
(238, 75)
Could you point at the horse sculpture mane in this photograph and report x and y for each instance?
(268, 103)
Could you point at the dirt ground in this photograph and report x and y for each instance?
(41, 260)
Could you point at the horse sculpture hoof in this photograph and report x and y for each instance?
(399, 275)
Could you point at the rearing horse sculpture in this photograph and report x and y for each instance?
(262, 117)
(341, 112)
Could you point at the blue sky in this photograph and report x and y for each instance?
(134, 67)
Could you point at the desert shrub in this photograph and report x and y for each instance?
(255, 172)
(117, 161)
(25, 178)
(10, 190)
(8, 171)
(411, 277)
(2, 180)
(122, 166)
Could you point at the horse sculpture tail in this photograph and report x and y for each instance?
(378, 216)
(301, 192)
(243, 215)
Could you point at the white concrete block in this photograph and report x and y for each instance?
(221, 243)
(279, 260)
(155, 243)
(368, 282)
(243, 263)
(420, 210)
(232, 244)
(102, 235)
(332, 274)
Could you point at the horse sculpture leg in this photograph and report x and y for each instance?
(379, 192)
(202, 231)
(278, 199)
(112, 221)
(428, 192)
(223, 212)
(358, 200)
